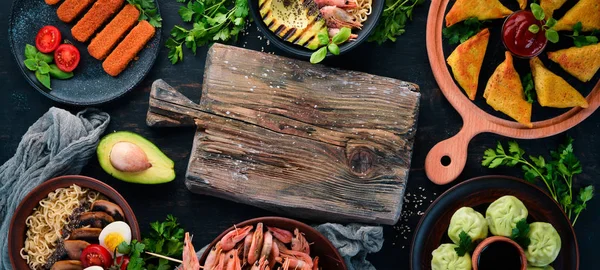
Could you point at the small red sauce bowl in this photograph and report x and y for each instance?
(518, 40)
(485, 243)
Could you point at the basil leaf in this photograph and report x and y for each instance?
(551, 22)
(30, 51)
(534, 28)
(342, 36)
(318, 56)
(552, 35)
(43, 67)
(538, 11)
(56, 73)
(44, 57)
(323, 37)
(31, 64)
(334, 49)
(44, 79)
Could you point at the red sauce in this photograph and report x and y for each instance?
(517, 37)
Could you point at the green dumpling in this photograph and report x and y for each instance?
(545, 244)
(547, 267)
(503, 214)
(470, 221)
(445, 258)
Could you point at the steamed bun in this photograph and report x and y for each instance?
(445, 258)
(503, 214)
(470, 221)
(545, 244)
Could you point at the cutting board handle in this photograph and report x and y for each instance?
(169, 108)
(447, 159)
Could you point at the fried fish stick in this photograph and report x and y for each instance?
(71, 9)
(52, 2)
(101, 12)
(107, 39)
(133, 43)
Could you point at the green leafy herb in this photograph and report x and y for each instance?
(540, 15)
(56, 73)
(39, 63)
(582, 40)
(557, 173)
(465, 244)
(527, 82)
(212, 21)
(148, 11)
(462, 31)
(393, 20)
(332, 46)
(43, 78)
(520, 233)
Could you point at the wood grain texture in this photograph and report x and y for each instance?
(288, 136)
(475, 120)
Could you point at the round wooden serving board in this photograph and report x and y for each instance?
(475, 119)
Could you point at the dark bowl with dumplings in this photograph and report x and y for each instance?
(329, 257)
(16, 234)
(363, 34)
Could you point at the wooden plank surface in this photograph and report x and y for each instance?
(292, 137)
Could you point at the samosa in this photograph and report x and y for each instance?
(504, 92)
(585, 11)
(583, 63)
(480, 9)
(466, 61)
(549, 6)
(552, 90)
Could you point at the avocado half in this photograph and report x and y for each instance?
(159, 167)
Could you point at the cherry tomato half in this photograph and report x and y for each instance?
(67, 57)
(96, 255)
(123, 261)
(48, 39)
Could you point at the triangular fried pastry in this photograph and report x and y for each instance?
(504, 92)
(466, 61)
(549, 6)
(480, 9)
(583, 63)
(585, 11)
(552, 90)
(522, 4)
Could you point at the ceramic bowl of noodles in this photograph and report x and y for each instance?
(57, 220)
(294, 26)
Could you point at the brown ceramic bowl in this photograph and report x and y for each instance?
(490, 240)
(329, 257)
(16, 235)
(479, 193)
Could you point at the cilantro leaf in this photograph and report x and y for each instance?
(462, 31)
(528, 87)
(393, 21)
(148, 11)
(465, 244)
(520, 233)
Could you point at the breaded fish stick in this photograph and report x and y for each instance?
(133, 43)
(71, 9)
(101, 12)
(52, 2)
(107, 39)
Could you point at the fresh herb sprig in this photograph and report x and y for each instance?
(548, 27)
(557, 173)
(330, 45)
(520, 233)
(212, 20)
(393, 20)
(462, 31)
(465, 244)
(582, 40)
(148, 11)
(527, 81)
(42, 65)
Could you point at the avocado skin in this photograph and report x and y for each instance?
(162, 170)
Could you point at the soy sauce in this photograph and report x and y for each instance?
(499, 256)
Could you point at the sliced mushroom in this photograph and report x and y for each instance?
(67, 265)
(110, 208)
(74, 248)
(95, 219)
(86, 234)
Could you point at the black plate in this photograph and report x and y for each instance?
(363, 34)
(478, 193)
(91, 85)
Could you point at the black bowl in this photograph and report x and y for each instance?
(363, 34)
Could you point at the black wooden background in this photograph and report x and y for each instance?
(206, 217)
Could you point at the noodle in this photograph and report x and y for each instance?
(45, 225)
(363, 10)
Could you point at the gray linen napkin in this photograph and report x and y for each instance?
(353, 241)
(59, 143)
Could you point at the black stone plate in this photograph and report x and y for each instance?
(91, 85)
(479, 193)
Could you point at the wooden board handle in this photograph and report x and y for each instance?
(447, 159)
(167, 107)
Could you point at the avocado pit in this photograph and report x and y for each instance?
(128, 157)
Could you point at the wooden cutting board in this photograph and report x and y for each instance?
(299, 139)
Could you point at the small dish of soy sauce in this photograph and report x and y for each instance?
(499, 253)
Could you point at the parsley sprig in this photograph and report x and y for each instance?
(520, 233)
(582, 40)
(462, 31)
(148, 11)
(527, 81)
(465, 244)
(393, 20)
(557, 173)
(212, 20)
